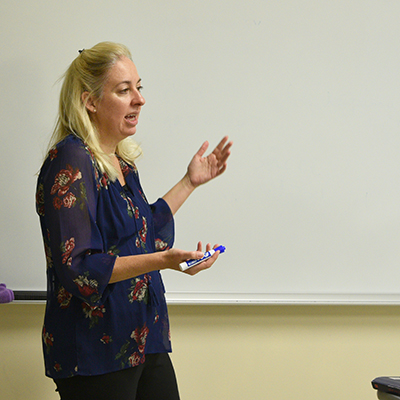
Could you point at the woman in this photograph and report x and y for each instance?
(106, 329)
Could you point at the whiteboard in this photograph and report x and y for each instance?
(309, 91)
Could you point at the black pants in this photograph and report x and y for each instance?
(153, 380)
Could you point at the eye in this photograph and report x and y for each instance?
(123, 91)
(140, 88)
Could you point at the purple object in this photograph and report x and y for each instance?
(6, 295)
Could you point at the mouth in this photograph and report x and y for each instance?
(131, 117)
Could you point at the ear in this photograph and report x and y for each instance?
(88, 102)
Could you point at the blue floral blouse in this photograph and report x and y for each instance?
(92, 327)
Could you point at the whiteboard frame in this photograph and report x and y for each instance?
(213, 299)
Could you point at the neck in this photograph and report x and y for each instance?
(108, 148)
(107, 143)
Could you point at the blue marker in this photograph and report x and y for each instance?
(191, 263)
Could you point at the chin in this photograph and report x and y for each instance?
(129, 133)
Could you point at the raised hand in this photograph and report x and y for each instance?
(202, 169)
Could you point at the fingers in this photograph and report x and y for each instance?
(215, 161)
(205, 264)
(199, 246)
(202, 149)
(221, 144)
(222, 153)
(208, 246)
(222, 148)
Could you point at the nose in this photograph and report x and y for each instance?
(138, 99)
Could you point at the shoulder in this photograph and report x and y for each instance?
(70, 147)
(70, 155)
(70, 151)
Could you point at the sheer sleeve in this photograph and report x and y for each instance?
(67, 204)
(164, 227)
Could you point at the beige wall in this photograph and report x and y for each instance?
(239, 352)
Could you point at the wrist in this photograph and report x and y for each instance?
(187, 183)
(162, 261)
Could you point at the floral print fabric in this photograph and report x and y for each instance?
(92, 327)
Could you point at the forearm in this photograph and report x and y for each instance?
(179, 194)
(130, 266)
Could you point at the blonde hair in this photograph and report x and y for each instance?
(88, 73)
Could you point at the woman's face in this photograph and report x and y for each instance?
(116, 114)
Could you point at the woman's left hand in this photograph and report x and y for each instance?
(203, 169)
